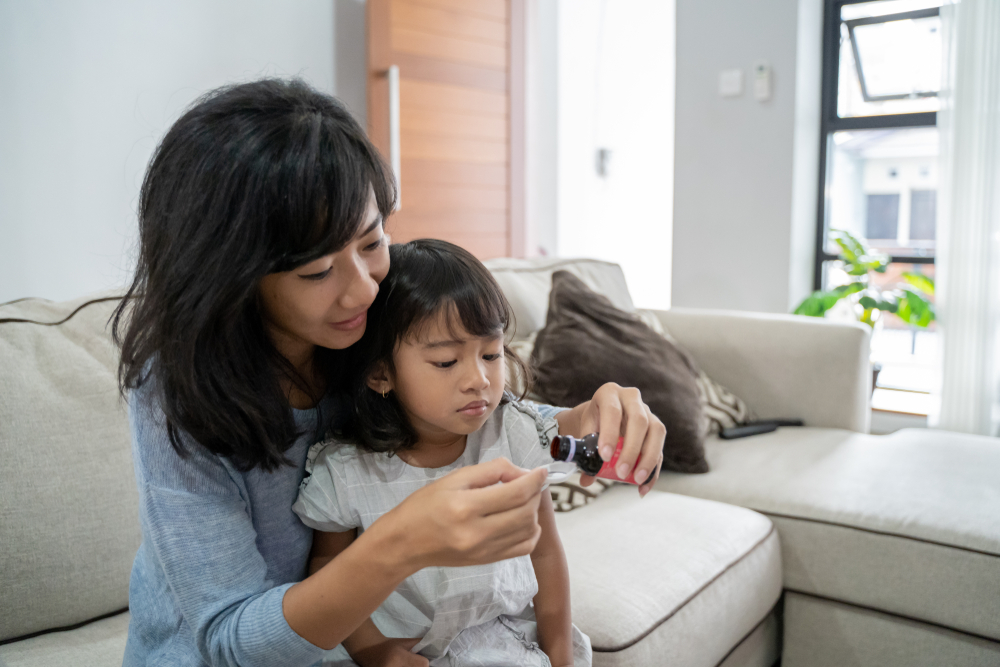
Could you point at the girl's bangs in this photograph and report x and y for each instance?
(469, 300)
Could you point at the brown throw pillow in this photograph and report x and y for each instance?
(587, 342)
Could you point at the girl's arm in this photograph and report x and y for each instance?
(552, 605)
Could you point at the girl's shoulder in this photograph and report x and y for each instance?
(346, 460)
(333, 452)
(522, 422)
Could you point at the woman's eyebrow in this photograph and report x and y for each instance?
(368, 230)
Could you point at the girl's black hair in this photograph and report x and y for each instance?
(253, 179)
(426, 277)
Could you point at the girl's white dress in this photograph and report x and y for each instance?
(477, 616)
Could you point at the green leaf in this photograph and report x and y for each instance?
(914, 309)
(888, 305)
(817, 303)
(849, 288)
(858, 259)
(851, 248)
(921, 281)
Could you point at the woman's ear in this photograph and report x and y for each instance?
(379, 381)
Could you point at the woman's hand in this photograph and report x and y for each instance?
(391, 653)
(466, 518)
(613, 412)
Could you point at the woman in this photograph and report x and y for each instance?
(261, 247)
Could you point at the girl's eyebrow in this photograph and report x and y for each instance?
(443, 343)
(456, 342)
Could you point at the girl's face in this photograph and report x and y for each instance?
(325, 302)
(448, 384)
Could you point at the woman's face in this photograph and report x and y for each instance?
(325, 302)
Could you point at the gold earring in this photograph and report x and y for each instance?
(384, 392)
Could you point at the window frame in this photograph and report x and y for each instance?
(831, 122)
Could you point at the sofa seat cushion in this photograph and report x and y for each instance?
(668, 579)
(97, 644)
(907, 523)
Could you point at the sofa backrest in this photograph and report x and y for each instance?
(69, 525)
(527, 282)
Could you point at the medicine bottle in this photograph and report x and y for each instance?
(583, 452)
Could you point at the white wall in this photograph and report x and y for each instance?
(745, 188)
(616, 90)
(541, 120)
(86, 90)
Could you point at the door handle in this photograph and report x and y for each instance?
(394, 155)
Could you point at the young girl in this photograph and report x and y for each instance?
(429, 398)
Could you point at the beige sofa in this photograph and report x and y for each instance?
(880, 564)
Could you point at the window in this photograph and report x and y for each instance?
(879, 157)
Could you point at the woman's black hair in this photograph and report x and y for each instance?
(426, 277)
(252, 179)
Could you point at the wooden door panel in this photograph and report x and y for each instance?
(455, 117)
(434, 97)
(421, 173)
(457, 198)
(448, 48)
(493, 9)
(446, 224)
(453, 149)
(450, 23)
(448, 123)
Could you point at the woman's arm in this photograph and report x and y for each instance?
(614, 412)
(465, 518)
(367, 645)
(552, 604)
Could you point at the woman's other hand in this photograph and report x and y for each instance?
(391, 653)
(617, 411)
(467, 518)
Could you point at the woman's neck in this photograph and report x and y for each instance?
(301, 355)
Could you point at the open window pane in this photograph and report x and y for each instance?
(890, 61)
(899, 59)
(882, 186)
(864, 10)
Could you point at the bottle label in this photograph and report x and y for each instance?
(607, 471)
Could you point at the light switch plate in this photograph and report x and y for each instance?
(731, 82)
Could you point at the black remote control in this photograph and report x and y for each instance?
(756, 428)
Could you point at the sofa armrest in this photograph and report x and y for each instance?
(787, 366)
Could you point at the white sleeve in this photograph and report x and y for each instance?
(324, 502)
(529, 434)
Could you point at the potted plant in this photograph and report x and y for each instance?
(908, 300)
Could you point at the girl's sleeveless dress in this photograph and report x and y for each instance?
(477, 616)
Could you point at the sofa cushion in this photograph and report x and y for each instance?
(526, 284)
(823, 633)
(69, 524)
(587, 342)
(97, 644)
(907, 523)
(724, 576)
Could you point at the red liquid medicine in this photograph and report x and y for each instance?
(583, 452)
